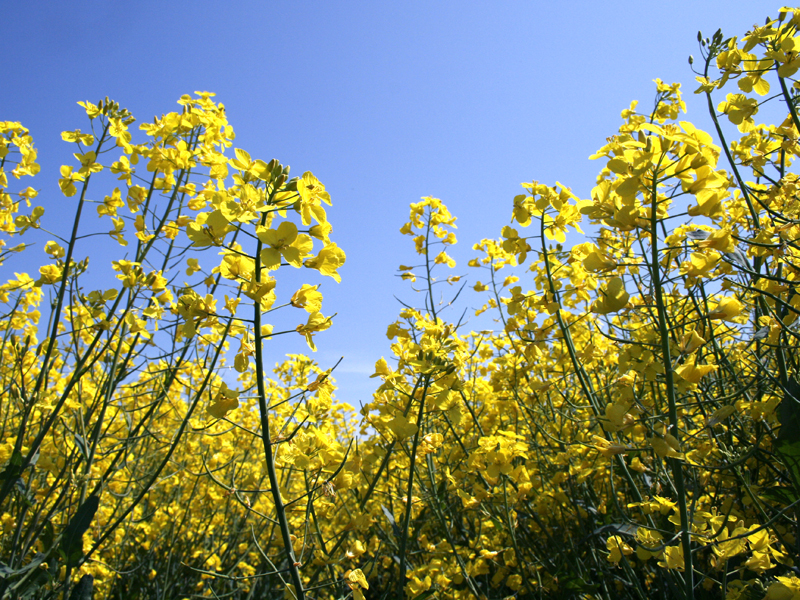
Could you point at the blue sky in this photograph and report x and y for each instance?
(384, 102)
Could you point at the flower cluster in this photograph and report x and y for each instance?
(626, 428)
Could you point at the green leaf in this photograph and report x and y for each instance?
(788, 444)
(48, 536)
(789, 414)
(392, 522)
(82, 446)
(83, 591)
(12, 470)
(71, 540)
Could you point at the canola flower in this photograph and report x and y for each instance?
(626, 430)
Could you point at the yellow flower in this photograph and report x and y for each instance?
(123, 168)
(596, 262)
(691, 342)
(67, 181)
(328, 261)
(617, 548)
(382, 369)
(648, 538)
(721, 414)
(692, 372)
(402, 427)
(54, 249)
(611, 299)
(225, 401)
(316, 322)
(77, 137)
(88, 163)
(607, 448)
(444, 259)
(727, 309)
(666, 447)
(307, 297)
(719, 240)
(785, 588)
(700, 264)
(283, 242)
(356, 580)
(672, 558)
(92, 110)
(50, 274)
(740, 110)
(312, 194)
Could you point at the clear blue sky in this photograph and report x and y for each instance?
(384, 102)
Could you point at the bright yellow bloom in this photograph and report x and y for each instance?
(617, 547)
(307, 297)
(316, 322)
(607, 448)
(283, 242)
(312, 194)
(672, 558)
(67, 181)
(356, 581)
(328, 261)
(727, 309)
(611, 299)
(692, 372)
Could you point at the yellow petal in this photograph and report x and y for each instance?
(613, 298)
(727, 309)
(402, 428)
(692, 372)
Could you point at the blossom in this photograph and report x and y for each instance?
(283, 242)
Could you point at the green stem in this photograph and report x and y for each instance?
(675, 464)
(401, 581)
(55, 319)
(740, 182)
(170, 452)
(263, 410)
